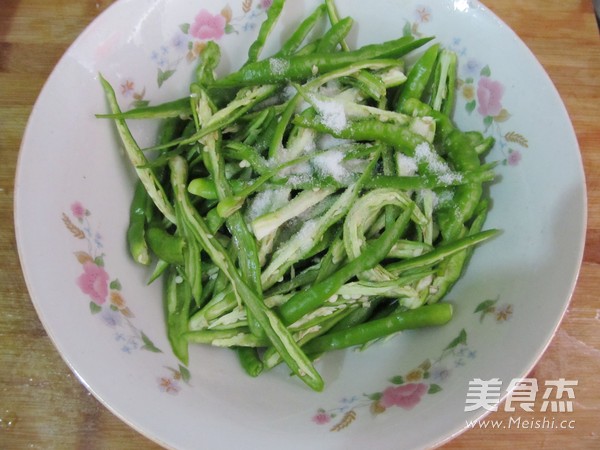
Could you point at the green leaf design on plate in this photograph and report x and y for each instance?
(185, 373)
(95, 308)
(115, 285)
(185, 27)
(485, 305)
(434, 388)
(407, 29)
(149, 345)
(486, 71)
(458, 340)
(487, 121)
(163, 75)
(470, 106)
(99, 261)
(397, 380)
(376, 396)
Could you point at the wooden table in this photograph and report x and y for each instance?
(43, 405)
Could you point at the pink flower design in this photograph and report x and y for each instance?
(489, 96)
(94, 282)
(405, 396)
(321, 418)
(514, 158)
(266, 4)
(78, 210)
(208, 26)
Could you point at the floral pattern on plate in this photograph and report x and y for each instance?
(490, 307)
(479, 92)
(539, 196)
(106, 298)
(188, 42)
(484, 95)
(406, 390)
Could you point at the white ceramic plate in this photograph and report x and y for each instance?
(73, 189)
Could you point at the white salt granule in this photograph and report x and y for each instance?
(267, 201)
(407, 166)
(423, 153)
(299, 180)
(301, 168)
(444, 197)
(330, 163)
(302, 106)
(450, 178)
(289, 92)
(278, 66)
(330, 89)
(298, 175)
(260, 205)
(356, 166)
(439, 168)
(332, 114)
(306, 235)
(424, 195)
(327, 141)
(249, 74)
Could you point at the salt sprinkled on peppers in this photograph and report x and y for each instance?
(330, 163)
(278, 65)
(332, 113)
(283, 237)
(424, 154)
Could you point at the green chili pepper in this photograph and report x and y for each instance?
(308, 300)
(334, 19)
(296, 68)
(277, 334)
(250, 361)
(178, 298)
(418, 77)
(211, 56)
(175, 108)
(167, 247)
(296, 39)
(136, 231)
(425, 316)
(137, 158)
(335, 35)
(266, 27)
(280, 233)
